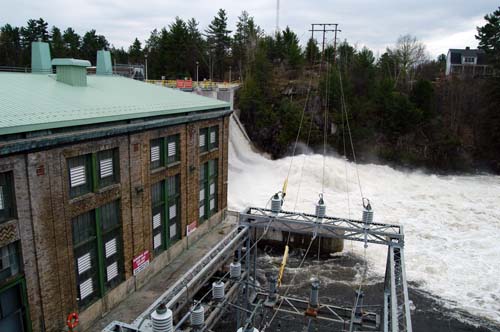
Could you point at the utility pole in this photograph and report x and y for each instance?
(324, 30)
(277, 16)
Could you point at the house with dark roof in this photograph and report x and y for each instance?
(102, 180)
(467, 62)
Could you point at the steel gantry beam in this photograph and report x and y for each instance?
(396, 316)
(327, 227)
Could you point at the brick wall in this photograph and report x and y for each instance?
(46, 210)
(21, 229)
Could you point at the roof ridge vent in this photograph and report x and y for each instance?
(40, 58)
(104, 66)
(71, 71)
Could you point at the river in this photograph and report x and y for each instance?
(451, 223)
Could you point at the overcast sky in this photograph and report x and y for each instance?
(440, 24)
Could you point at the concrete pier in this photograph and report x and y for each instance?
(280, 238)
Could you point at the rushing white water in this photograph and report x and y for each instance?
(451, 223)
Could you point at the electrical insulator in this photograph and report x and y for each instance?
(218, 291)
(276, 204)
(162, 319)
(314, 298)
(358, 312)
(235, 270)
(368, 215)
(367, 218)
(320, 208)
(248, 329)
(197, 315)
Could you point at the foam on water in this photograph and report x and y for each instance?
(451, 223)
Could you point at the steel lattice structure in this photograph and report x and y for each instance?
(396, 311)
(397, 317)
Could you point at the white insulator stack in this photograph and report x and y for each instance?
(218, 291)
(235, 270)
(320, 210)
(252, 329)
(367, 220)
(367, 216)
(162, 320)
(197, 315)
(276, 204)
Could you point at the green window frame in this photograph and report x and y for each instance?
(91, 172)
(8, 209)
(164, 151)
(98, 252)
(208, 138)
(10, 261)
(108, 168)
(165, 213)
(14, 311)
(208, 190)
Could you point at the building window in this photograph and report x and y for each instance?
(469, 60)
(164, 151)
(108, 169)
(90, 172)
(7, 197)
(208, 190)
(9, 261)
(97, 246)
(209, 138)
(165, 212)
(80, 175)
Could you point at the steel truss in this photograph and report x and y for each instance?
(396, 312)
(397, 317)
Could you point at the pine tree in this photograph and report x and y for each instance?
(42, 30)
(57, 43)
(135, 52)
(219, 42)
(293, 53)
(91, 43)
(489, 36)
(73, 42)
(312, 51)
(10, 46)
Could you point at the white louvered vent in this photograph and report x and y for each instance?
(157, 240)
(172, 149)
(106, 167)
(156, 220)
(77, 176)
(172, 211)
(155, 153)
(112, 271)
(86, 288)
(84, 263)
(2, 198)
(173, 231)
(202, 140)
(212, 137)
(110, 247)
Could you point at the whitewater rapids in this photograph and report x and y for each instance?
(451, 223)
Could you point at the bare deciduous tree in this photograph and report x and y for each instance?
(408, 53)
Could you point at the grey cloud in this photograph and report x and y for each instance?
(376, 24)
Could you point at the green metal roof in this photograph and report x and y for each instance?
(31, 102)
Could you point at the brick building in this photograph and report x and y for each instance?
(100, 179)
